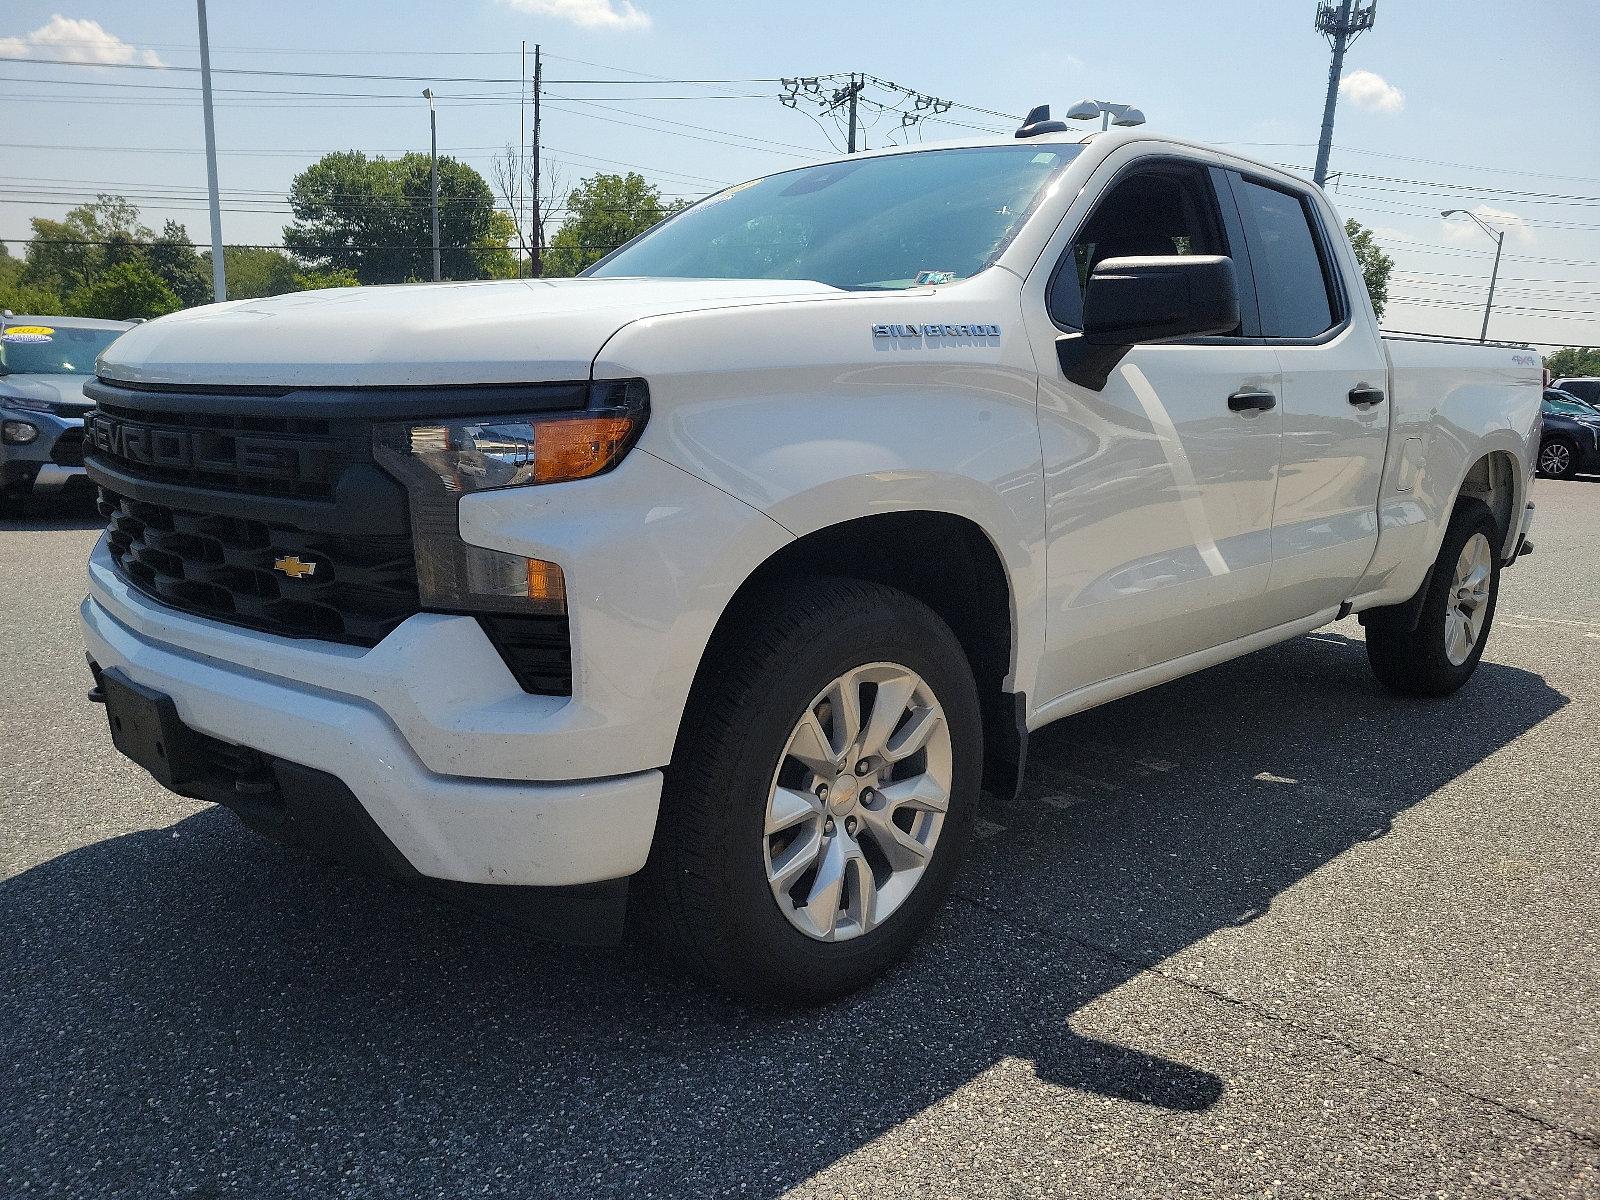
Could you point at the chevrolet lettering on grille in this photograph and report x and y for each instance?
(204, 450)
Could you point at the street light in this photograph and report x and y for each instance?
(433, 174)
(1109, 112)
(1499, 236)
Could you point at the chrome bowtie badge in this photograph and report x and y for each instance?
(294, 567)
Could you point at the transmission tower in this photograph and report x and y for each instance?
(1341, 24)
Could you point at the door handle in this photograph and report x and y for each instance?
(1252, 401)
(1363, 396)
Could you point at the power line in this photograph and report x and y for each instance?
(420, 78)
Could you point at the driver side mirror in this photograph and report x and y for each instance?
(1130, 301)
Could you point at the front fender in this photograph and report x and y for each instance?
(741, 399)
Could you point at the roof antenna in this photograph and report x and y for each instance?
(1038, 121)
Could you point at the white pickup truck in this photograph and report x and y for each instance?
(712, 587)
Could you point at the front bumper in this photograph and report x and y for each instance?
(46, 464)
(453, 826)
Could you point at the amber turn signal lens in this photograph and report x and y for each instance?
(547, 584)
(578, 447)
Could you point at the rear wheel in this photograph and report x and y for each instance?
(1558, 458)
(1440, 654)
(821, 795)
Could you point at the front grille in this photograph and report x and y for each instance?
(68, 450)
(218, 500)
(243, 571)
(264, 455)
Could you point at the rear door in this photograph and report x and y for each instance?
(1334, 410)
(1158, 490)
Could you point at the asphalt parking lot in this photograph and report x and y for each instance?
(1265, 931)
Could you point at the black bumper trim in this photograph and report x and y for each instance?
(315, 812)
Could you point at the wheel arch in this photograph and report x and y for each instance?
(1498, 479)
(964, 580)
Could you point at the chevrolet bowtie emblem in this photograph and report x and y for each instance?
(294, 567)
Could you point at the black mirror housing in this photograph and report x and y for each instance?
(1130, 301)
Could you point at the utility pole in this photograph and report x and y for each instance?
(433, 174)
(1340, 25)
(847, 94)
(536, 261)
(856, 85)
(1494, 274)
(219, 271)
(1499, 236)
(519, 190)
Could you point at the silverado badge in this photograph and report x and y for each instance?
(292, 566)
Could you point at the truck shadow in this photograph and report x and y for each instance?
(73, 508)
(194, 1005)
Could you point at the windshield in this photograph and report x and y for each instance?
(52, 349)
(900, 221)
(1571, 408)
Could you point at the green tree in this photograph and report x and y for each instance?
(64, 255)
(1375, 264)
(124, 292)
(496, 259)
(172, 256)
(1574, 360)
(256, 271)
(22, 297)
(371, 216)
(603, 211)
(310, 281)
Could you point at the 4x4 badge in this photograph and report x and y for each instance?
(294, 567)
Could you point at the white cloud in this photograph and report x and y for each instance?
(1371, 91)
(1459, 229)
(590, 14)
(75, 40)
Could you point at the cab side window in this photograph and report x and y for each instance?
(1165, 208)
(1294, 280)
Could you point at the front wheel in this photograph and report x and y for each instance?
(1558, 458)
(821, 795)
(1440, 654)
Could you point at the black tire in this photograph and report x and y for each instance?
(704, 902)
(1558, 468)
(1415, 662)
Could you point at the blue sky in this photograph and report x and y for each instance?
(1455, 105)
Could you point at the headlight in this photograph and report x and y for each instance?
(18, 433)
(439, 461)
(474, 454)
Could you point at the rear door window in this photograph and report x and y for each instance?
(1294, 280)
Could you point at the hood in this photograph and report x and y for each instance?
(65, 391)
(517, 331)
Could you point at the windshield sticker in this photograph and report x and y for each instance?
(1044, 156)
(935, 277)
(27, 333)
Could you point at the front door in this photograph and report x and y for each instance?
(1158, 490)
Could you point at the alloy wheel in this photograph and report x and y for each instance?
(1555, 458)
(857, 802)
(1468, 605)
